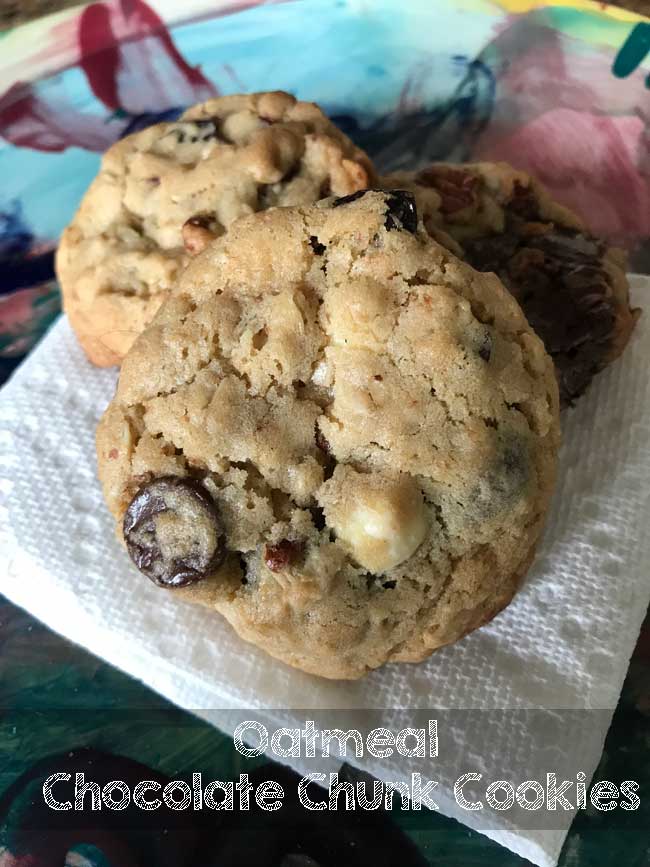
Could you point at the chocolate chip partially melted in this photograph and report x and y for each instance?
(557, 276)
(321, 441)
(401, 212)
(485, 347)
(524, 202)
(504, 482)
(316, 246)
(193, 131)
(173, 532)
(347, 200)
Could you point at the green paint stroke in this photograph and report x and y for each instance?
(596, 27)
(633, 51)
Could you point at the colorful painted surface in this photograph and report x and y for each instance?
(560, 89)
(62, 702)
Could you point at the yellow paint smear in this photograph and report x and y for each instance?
(521, 6)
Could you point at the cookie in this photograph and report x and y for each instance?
(571, 285)
(374, 421)
(163, 193)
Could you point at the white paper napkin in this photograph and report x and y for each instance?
(565, 642)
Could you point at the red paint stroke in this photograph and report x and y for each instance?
(122, 46)
(27, 120)
(131, 64)
(561, 115)
(592, 163)
(98, 60)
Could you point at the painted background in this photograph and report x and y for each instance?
(520, 80)
(527, 81)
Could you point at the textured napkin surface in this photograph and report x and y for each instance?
(565, 642)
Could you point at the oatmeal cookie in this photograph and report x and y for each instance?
(337, 435)
(163, 193)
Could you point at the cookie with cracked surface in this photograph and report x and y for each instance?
(374, 421)
(163, 193)
(571, 285)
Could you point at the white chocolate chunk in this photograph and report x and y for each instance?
(383, 525)
(322, 375)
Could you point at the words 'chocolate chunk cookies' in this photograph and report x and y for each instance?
(163, 193)
(374, 422)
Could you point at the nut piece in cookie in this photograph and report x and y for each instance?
(374, 421)
(571, 286)
(162, 194)
(173, 532)
(197, 234)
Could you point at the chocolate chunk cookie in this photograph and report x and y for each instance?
(373, 421)
(163, 193)
(571, 286)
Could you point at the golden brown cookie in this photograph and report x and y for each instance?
(337, 435)
(571, 286)
(163, 193)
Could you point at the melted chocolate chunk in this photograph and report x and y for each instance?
(316, 246)
(278, 557)
(317, 517)
(203, 221)
(322, 442)
(173, 532)
(458, 189)
(193, 131)
(209, 128)
(375, 582)
(346, 200)
(504, 480)
(565, 293)
(523, 203)
(485, 349)
(402, 213)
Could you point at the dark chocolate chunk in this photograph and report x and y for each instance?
(402, 212)
(346, 200)
(209, 128)
(458, 189)
(523, 203)
(203, 221)
(322, 442)
(491, 253)
(316, 246)
(504, 481)
(317, 517)
(173, 532)
(193, 131)
(375, 582)
(485, 349)
(278, 557)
